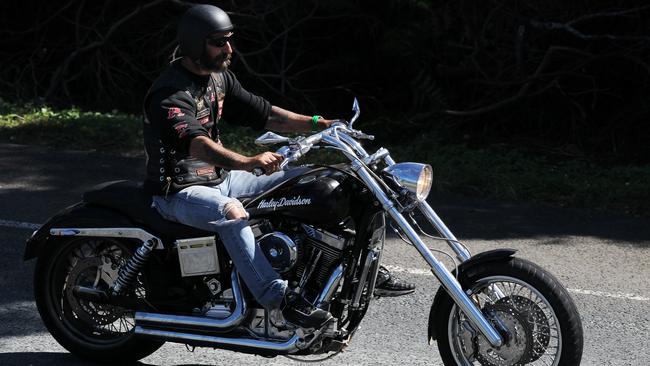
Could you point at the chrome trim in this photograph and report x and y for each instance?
(117, 232)
(447, 280)
(288, 346)
(331, 286)
(270, 138)
(357, 111)
(408, 176)
(461, 252)
(289, 244)
(378, 155)
(354, 144)
(154, 320)
(191, 241)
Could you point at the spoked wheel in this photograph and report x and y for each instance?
(542, 323)
(100, 332)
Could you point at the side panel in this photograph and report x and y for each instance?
(477, 260)
(77, 215)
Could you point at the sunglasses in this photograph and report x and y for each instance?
(219, 42)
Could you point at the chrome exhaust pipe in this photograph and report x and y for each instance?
(168, 321)
(200, 340)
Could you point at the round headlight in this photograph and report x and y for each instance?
(415, 177)
(424, 183)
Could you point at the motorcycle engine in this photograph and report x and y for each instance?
(280, 250)
(303, 254)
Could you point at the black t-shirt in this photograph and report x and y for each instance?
(181, 106)
(181, 116)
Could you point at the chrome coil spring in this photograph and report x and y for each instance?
(131, 268)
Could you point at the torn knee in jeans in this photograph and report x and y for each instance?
(234, 210)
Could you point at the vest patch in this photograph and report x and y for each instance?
(205, 171)
(174, 112)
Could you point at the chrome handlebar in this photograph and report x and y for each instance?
(338, 135)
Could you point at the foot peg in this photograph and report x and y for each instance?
(90, 294)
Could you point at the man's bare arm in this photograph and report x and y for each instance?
(282, 120)
(203, 148)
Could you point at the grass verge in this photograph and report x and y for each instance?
(495, 172)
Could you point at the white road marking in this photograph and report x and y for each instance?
(19, 225)
(414, 271)
(616, 295)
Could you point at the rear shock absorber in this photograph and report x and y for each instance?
(129, 272)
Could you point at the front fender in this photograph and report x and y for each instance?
(78, 215)
(477, 260)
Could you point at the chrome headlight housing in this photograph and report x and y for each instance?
(415, 177)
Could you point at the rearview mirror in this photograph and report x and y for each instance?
(356, 110)
(270, 138)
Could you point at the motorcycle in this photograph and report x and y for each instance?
(114, 280)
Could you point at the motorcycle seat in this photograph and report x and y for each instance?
(130, 198)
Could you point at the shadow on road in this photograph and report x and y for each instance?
(58, 359)
(38, 181)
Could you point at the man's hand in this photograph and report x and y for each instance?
(326, 123)
(269, 161)
(282, 120)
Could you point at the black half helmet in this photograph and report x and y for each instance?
(197, 23)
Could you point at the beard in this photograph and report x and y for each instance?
(217, 64)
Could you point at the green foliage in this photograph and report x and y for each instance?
(513, 174)
(70, 128)
(499, 171)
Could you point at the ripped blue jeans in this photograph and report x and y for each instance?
(205, 207)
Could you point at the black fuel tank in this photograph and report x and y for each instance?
(320, 196)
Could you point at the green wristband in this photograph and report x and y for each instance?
(314, 122)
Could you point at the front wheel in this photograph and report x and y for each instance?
(97, 332)
(541, 319)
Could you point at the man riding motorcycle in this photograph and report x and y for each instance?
(196, 181)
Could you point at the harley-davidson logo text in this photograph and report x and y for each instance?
(282, 202)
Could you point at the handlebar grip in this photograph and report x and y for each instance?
(258, 171)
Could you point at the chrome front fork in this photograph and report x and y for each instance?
(447, 280)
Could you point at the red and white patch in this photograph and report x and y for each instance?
(204, 171)
(220, 98)
(181, 129)
(174, 112)
(204, 120)
(220, 104)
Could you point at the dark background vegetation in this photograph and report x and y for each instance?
(568, 79)
(524, 100)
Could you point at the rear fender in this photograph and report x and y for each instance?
(80, 215)
(477, 260)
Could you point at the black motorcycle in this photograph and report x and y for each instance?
(114, 280)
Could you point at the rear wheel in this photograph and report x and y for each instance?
(99, 332)
(541, 319)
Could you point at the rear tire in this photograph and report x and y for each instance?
(551, 307)
(96, 332)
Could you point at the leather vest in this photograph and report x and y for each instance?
(168, 168)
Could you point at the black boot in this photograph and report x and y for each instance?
(389, 285)
(300, 312)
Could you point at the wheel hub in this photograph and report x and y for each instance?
(92, 272)
(519, 346)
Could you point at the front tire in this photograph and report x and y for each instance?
(538, 312)
(97, 332)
